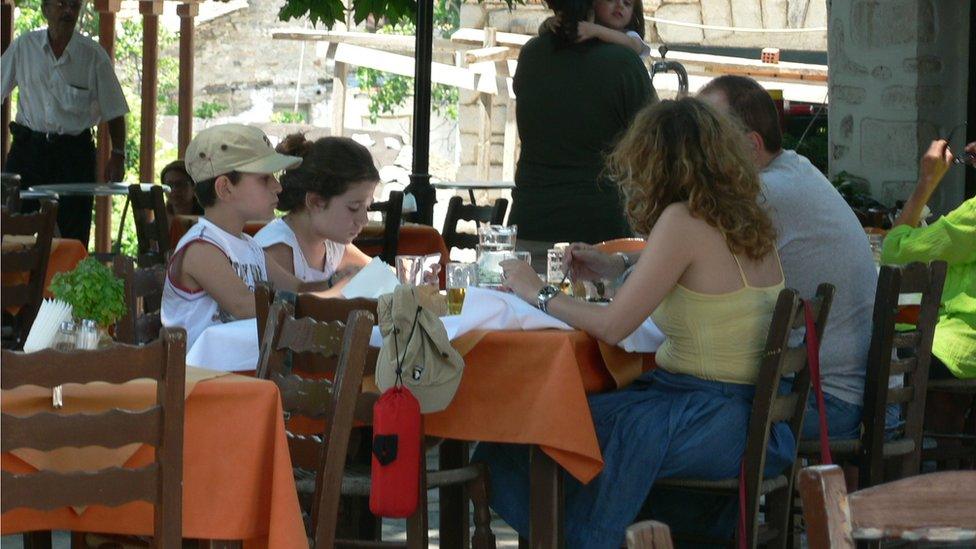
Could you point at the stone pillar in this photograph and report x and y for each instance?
(150, 10)
(898, 79)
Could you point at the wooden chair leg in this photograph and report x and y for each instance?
(478, 491)
(778, 513)
(417, 523)
(37, 540)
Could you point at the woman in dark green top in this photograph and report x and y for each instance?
(573, 101)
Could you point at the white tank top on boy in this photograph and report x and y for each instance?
(195, 311)
(278, 232)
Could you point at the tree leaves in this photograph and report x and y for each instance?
(330, 12)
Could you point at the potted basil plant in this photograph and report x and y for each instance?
(94, 293)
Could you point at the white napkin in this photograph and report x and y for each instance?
(372, 281)
(47, 322)
(494, 310)
(228, 347)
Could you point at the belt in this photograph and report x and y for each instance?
(23, 132)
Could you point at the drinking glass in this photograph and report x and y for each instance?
(459, 277)
(876, 241)
(410, 269)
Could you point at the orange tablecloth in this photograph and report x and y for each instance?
(66, 253)
(237, 475)
(530, 387)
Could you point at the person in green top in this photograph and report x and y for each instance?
(575, 99)
(951, 238)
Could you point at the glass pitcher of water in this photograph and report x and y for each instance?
(495, 244)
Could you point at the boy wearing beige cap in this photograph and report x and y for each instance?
(215, 266)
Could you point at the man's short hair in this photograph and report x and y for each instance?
(752, 104)
(207, 194)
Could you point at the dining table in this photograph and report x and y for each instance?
(238, 486)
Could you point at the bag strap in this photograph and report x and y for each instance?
(813, 361)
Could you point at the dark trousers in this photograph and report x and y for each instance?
(43, 159)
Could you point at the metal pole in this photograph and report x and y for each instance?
(419, 185)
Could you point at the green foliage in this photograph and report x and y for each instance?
(389, 92)
(289, 117)
(330, 12)
(209, 109)
(92, 291)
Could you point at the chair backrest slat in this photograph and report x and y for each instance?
(305, 335)
(327, 310)
(49, 368)
(307, 397)
(783, 408)
(48, 490)
(305, 451)
(40, 225)
(143, 301)
(160, 425)
(904, 354)
(392, 216)
(152, 224)
(112, 429)
(458, 211)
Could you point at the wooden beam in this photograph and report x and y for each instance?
(340, 74)
(150, 10)
(484, 126)
(107, 9)
(187, 11)
(6, 36)
(490, 55)
(387, 42)
(476, 37)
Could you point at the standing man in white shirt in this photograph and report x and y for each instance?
(67, 85)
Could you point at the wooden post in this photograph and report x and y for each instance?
(6, 36)
(150, 10)
(484, 129)
(510, 143)
(187, 11)
(103, 204)
(339, 75)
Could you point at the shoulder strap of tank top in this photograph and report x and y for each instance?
(742, 274)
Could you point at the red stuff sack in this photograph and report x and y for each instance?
(397, 440)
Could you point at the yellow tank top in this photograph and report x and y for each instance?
(716, 336)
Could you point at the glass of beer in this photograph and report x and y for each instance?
(459, 276)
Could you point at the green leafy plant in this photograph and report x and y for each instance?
(330, 12)
(93, 292)
(209, 109)
(289, 117)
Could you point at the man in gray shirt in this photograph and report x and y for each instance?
(819, 239)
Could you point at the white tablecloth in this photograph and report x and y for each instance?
(234, 346)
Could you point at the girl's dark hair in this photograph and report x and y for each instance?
(329, 166)
(568, 15)
(637, 18)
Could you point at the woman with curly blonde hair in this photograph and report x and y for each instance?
(709, 277)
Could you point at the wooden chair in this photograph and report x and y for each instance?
(625, 245)
(11, 192)
(152, 224)
(939, 507)
(768, 407)
(392, 215)
(339, 402)
(649, 534)
(25, 298)
(954, 449)
(160, 426)
(143, 301)
(458, 211)
(872, 453)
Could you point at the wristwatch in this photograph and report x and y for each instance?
(546, 294)
(627, 262)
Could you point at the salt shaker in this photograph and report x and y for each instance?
(87, 337)
(64, 341)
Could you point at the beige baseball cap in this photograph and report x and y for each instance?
(234, 147)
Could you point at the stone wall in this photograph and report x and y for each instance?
(898, 79)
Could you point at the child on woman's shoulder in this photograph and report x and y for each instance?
(617, 22)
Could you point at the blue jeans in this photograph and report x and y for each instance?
(843, 418)
(664, 425)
